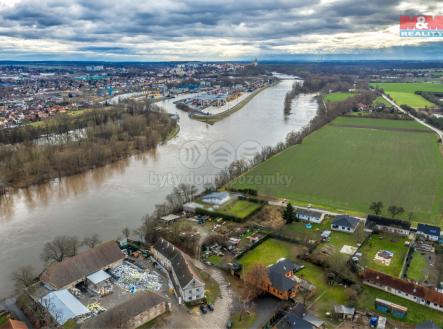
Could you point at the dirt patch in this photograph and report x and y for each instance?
(270, 216)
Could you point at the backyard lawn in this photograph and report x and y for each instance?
(416, 313)
(269, 252)
(386, 242)
(352, 162)
(404, 93)
(418, 267)
(239, 208)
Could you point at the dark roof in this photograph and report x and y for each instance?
(292, 321)
(299, 309)
(124, 312)
(277, 276)
(78, 267)
(373, 220)
(428, 229)
(411, 288)
(177, 259)
(283, 266)
(346, 221)
(427, 325)
(307, 212)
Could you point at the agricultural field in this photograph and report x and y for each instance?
(338, 96)
(404, 93)
(352, 162)
(384, 242)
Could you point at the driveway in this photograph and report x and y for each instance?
(183, 317)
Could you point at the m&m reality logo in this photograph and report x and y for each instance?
(421, 26)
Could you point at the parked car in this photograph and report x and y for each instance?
(211, 307)
(203, 309)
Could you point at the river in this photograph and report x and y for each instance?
(106, 199)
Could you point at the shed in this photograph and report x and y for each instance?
(63, 306)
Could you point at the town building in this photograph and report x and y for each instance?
(429, 232)
(187, 285)
(71, 271)
(133, 313)
(391, 225)
(345, 223)
(344, 312)
(419, 294)
(298, 317)
(217, 198)
(309, 215)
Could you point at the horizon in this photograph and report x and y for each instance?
(192, 30)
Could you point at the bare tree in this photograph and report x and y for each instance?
(61, 247)
(255, 279)
(23, 278)
(91, 241)
(126, 232)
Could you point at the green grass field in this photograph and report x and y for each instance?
(380, 100)
(351, 162)
(239, 208)
(418, 267)
(392, 243)
(404, 93)
(338, 96)
(416, 313)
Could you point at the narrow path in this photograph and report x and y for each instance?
(437, 131)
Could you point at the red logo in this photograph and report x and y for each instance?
(421, 23)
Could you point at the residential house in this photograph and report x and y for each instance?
(216, 198)
(133, 313)
(13, 324)
(419, 294)
(298, 317)
(309, 215)
(73, 270)
(345, 223)
(187, 285)
(391, 225)
(279, 281)
(429, 232)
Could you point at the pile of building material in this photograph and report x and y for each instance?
(384, 257)
(132, 279)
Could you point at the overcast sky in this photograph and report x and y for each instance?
(158, 30)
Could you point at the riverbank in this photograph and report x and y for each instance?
(213, 118)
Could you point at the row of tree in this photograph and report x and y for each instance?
(107, 138)
(377, 208)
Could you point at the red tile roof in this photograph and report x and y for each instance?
(410, 288)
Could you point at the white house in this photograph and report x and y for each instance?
(187, 285)
(217, 198)
(419, 294)
(309, 215)
(429, 232)
(391, 225)
(345, 223)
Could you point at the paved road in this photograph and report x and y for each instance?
(437, 131)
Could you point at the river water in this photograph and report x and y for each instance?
(106, 199)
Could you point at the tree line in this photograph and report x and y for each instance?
(107, 136)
